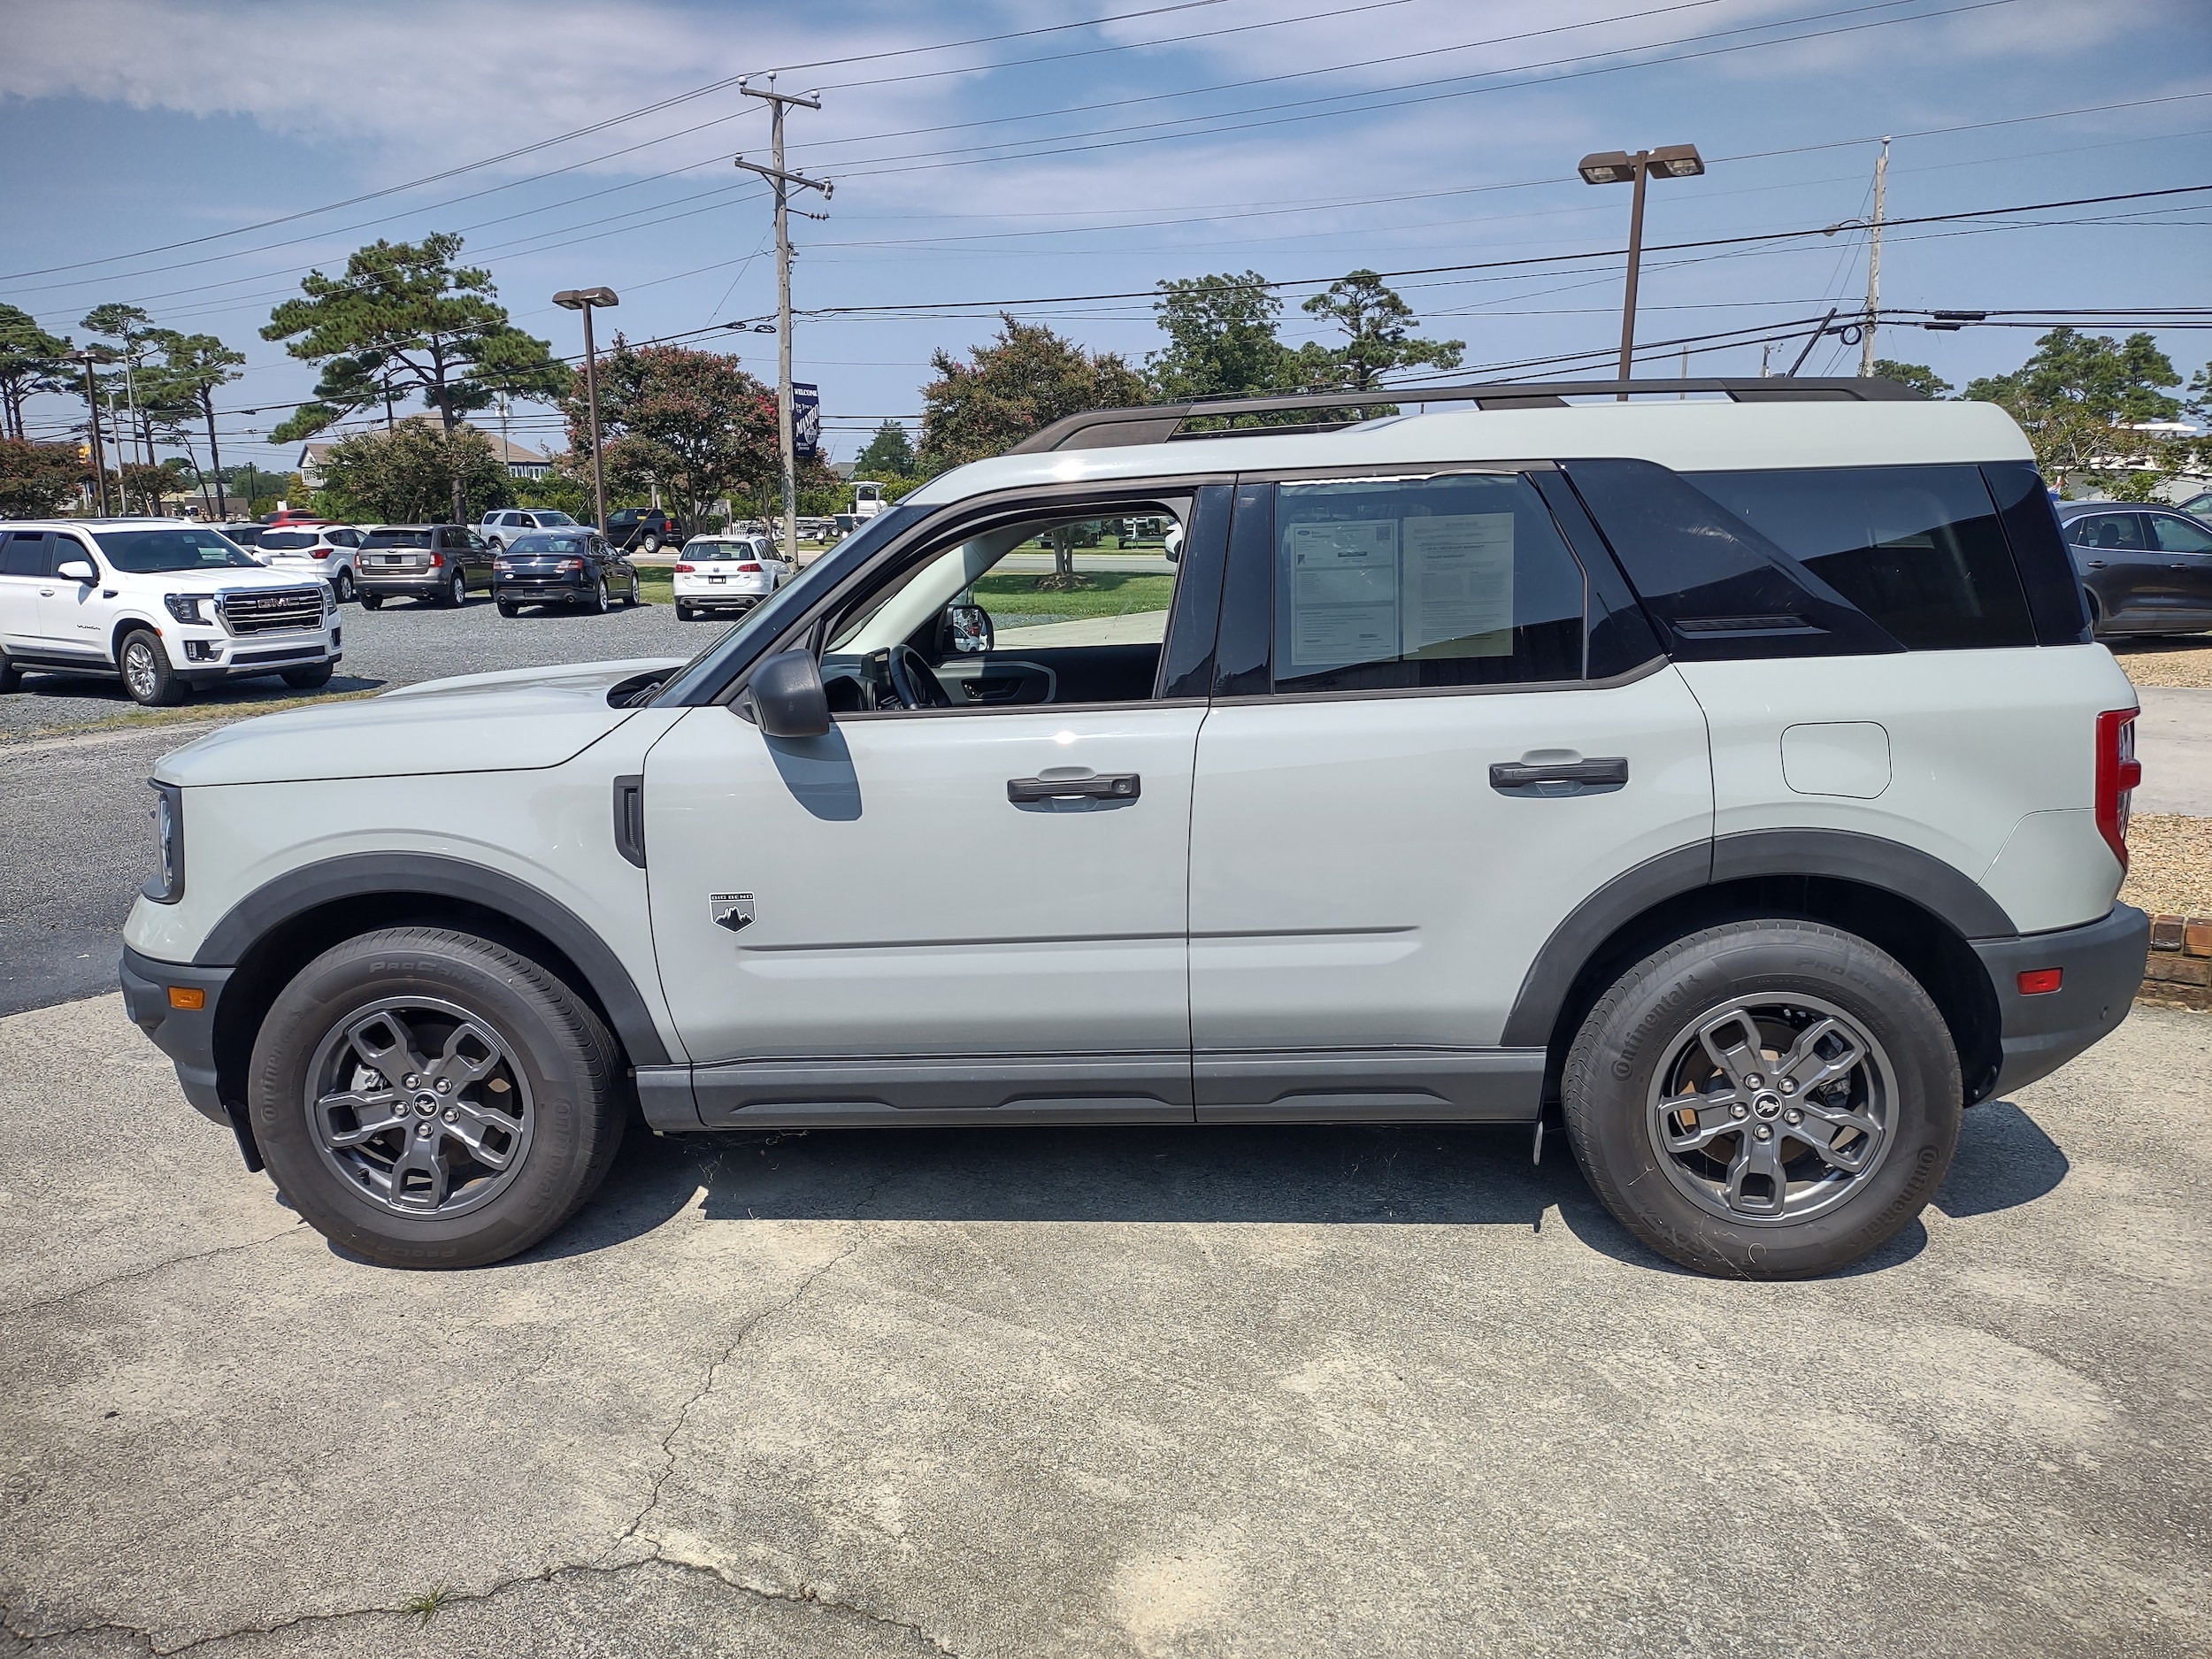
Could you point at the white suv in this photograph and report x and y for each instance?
(164, 604)
(1733, 779)
(500, 529)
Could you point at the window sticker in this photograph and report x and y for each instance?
(1343, 592)
(1458, 585)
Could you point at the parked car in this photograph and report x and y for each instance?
(435, 563)
(2198, 506)
(325, 551)
(641, 530)
(166, 605)
(565, 567)
(1735, 782)
(2143, 569)
(245, 534)
(500, 528)
(727, 573)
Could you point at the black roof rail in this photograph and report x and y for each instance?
(1164, 423)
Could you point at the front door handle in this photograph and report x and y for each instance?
(1104, 786)
(1565, 777)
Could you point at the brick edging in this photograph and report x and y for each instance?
(2178, 972)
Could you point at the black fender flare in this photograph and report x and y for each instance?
(429, 875)
(1919, 878)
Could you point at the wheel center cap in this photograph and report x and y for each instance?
(1766, 1104)
(427, 1105)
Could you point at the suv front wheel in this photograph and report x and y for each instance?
(147, 672)
(1764, 1100)
(428, 1099)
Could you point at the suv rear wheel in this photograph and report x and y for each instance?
(428, 1099)
(1764, 1100)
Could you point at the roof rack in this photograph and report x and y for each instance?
(1164, 423)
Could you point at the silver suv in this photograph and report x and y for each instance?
(1733, 781)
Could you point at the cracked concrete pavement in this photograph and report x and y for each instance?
(1100, 1392)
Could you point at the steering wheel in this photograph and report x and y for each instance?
(917, 688)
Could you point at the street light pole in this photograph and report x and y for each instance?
(584, 300)
(784, 184)
(1617, 166)
(1874, 263)
(92, 425)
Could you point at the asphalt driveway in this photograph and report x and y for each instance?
(1101, 1392)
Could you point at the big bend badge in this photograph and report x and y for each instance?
(733, 911)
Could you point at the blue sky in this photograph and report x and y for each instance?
(147, 145)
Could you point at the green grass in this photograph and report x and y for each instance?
(424, 1608)
(1111, 593)
(194, 713)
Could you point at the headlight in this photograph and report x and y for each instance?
(165, 886)
(186, 607)
(502, 567)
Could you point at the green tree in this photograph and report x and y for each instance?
(889, 454)
(37, 480)
(182, 389)
(1377, 327)
(133, 331)
(146, 487)
(692, 422)
(405, 317)
(1919, 376)
(1020, 383)
(2077, 397)
(1221, 339)
(412, 475)
(31, 361)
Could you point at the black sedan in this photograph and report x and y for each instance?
(568, 567)
(2143, 569)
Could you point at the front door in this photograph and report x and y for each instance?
(1411, 796)
(2186, 550)
(920, 916)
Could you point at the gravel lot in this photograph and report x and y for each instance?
(1052, 1394)
(403, 642)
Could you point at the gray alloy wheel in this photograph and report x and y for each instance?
(599, 600)
(457, 595)
(633, 598)
(1765, 1112)
(421, 1106)
(147, 674)
(343, 586)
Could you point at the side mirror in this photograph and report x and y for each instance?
(1173, 545)
(788, 696)
(77, 571)
(968, 627)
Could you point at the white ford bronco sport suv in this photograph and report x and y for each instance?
(165, 604)
(1734, 777)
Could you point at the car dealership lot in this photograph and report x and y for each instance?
(1101, 1392)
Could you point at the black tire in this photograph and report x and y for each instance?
(308, 678)
(631, 598)
(343, 586)
(147, 674)
(508, 608)
(684, 613)
(10, 676)
(2096, 613)
(456, 593)
(651, 543)
(371, 602)
(1611, 1087)
(565, 1071)
(599, 601)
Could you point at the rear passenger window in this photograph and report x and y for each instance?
(1919, 550)
(26, 554)
(1406, 584)
(2122, 531)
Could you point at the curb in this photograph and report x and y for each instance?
(2178, 971)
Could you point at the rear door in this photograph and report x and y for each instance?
(2115, 564)
(25, 566)
(1406, 783)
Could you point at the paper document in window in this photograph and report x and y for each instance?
(1344, 593)
(1458, 585)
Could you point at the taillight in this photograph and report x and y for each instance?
(749, 569)
(684, 570)
(570, 565)
(436, 559)
(323, 552)
(2118, 772)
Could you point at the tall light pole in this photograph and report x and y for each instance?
(1617, 166)
(584, 300)
(92, 421)
(784, 184)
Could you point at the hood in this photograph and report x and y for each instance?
(516, 721)
(213, 581)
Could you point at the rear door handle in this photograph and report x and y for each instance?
(1104, 786)
(1566, 778)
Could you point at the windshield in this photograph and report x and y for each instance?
(399, 538)
(720, 550)
(549, 520)
(143, 552)
(550, 544)
(287, 541)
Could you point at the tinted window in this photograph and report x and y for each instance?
(287, 541)
(396, 538)
(2122, 531)
(552, 520)
(719, 550)
(1919, 550)
(145, 551)
(568, 544)
(1398, 584)
(26, 554)
(2178, 536)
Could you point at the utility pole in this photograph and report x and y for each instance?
(585, 300)
(1874, 264)
(1617, 166)
(784, 184)
(92, 423)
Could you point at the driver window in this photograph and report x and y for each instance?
(1049, 609)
